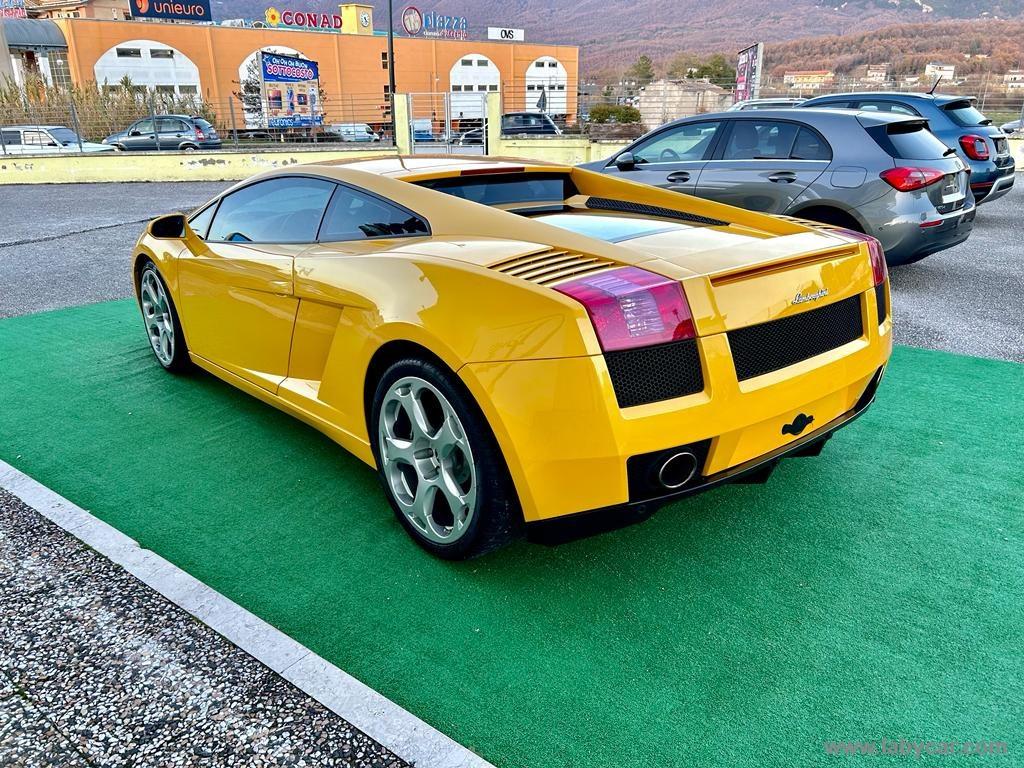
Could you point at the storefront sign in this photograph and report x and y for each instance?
(430, 24)
(180, 10)
(291, 91)
(506, 33)
(748, 72)
(12, 9)
(307, 19)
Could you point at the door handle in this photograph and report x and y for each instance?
(678, 176)
(783, 177)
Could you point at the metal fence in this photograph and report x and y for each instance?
(144, 119)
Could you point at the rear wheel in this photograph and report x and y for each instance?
(161, 318)
(439, 463)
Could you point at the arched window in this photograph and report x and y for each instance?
(151, 65)
(547, 85)
(472, 77)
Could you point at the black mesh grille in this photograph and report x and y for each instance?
(606, 204)
(880, 301)
(760, 349)
(650, 374)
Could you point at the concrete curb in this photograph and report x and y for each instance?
(378, 717)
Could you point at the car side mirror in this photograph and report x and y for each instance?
(625, 161)
(173, 226)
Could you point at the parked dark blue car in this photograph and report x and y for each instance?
(955, 120)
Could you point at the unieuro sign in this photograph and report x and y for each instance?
(307, 19)
(183, 10)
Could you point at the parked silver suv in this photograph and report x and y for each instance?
(879, 173)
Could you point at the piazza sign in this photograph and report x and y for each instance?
(430, 24)
(306, 19)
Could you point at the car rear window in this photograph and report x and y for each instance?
(909, 141)
(204, 124)
(964, 113)
(504, 188)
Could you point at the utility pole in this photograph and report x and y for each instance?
(391, 68)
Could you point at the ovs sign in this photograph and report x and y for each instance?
(309, 19)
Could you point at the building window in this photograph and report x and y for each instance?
(161, 53)
(492, 87)
(559, 87)
(387, 91)
(467, 62)
(59, 71)
(481, 87)
(188, 90)
(129, 53)
(384, 60)
(553, 64)
(456, 87)
(539, 64)
(531, 87)
(481, 62)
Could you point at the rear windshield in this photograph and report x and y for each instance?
(504, 188)
(965, 113)
(909, 141)
(205, 125)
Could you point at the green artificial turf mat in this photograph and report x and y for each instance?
(873, 592)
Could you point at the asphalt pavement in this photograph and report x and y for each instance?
(65, 245)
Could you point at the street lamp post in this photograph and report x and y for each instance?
(391, 68)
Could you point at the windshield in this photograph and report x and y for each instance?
(965, 113)
(64, 135)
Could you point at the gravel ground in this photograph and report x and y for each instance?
(96, 669)
(966, 299)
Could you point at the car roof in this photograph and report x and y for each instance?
(821, 114)
(940, 98)
(34, 127)
(401, 167)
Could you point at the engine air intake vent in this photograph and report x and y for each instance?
(552, 266)
(760, 349)
(607, 204)
(655, 373)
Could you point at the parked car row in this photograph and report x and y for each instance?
(906, 168)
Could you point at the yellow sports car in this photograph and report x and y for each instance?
(521, 347)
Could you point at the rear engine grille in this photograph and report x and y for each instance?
(552, 266)
(659, 372)
(760, 349)
(883, 311)
(607, 204)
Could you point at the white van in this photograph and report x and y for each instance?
(45, 139)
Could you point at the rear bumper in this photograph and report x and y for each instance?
(987, 190)
(568, 444)
(912, 236)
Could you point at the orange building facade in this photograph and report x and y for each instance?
(211, 61)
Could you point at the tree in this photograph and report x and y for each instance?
(642, 70)
(681, 65)
(715, 69)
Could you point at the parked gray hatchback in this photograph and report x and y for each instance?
(882, 174)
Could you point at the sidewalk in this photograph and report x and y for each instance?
(97, 669)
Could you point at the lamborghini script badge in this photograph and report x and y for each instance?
(803, 298)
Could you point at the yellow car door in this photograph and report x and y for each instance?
(236, 278)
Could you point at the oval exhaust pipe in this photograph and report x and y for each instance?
(677, 470)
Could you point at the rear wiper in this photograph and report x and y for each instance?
(986, 121)
(948, 152)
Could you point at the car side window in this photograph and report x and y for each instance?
(809, 145)
(832, 105)
(355, 215)
(282, 210)
(169, 125)
(887, 106)
(37, 138)
(760, 140)
(12, 138)
(200, 222)
(143, 126)
(685, 142)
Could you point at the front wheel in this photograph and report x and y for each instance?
(161, 318)
(439, 463)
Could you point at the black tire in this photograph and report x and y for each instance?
(496, 518)
(179, 361)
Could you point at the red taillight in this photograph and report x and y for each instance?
(632, 307)
(907, 179)
(200, 136)
(975, 147)
(879, 272)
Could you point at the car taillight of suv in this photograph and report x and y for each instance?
(909, 178)
(975, 147)
(200, 136)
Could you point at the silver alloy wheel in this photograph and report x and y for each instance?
(156, 312)
(427, 460)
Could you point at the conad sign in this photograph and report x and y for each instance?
(302, 19)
